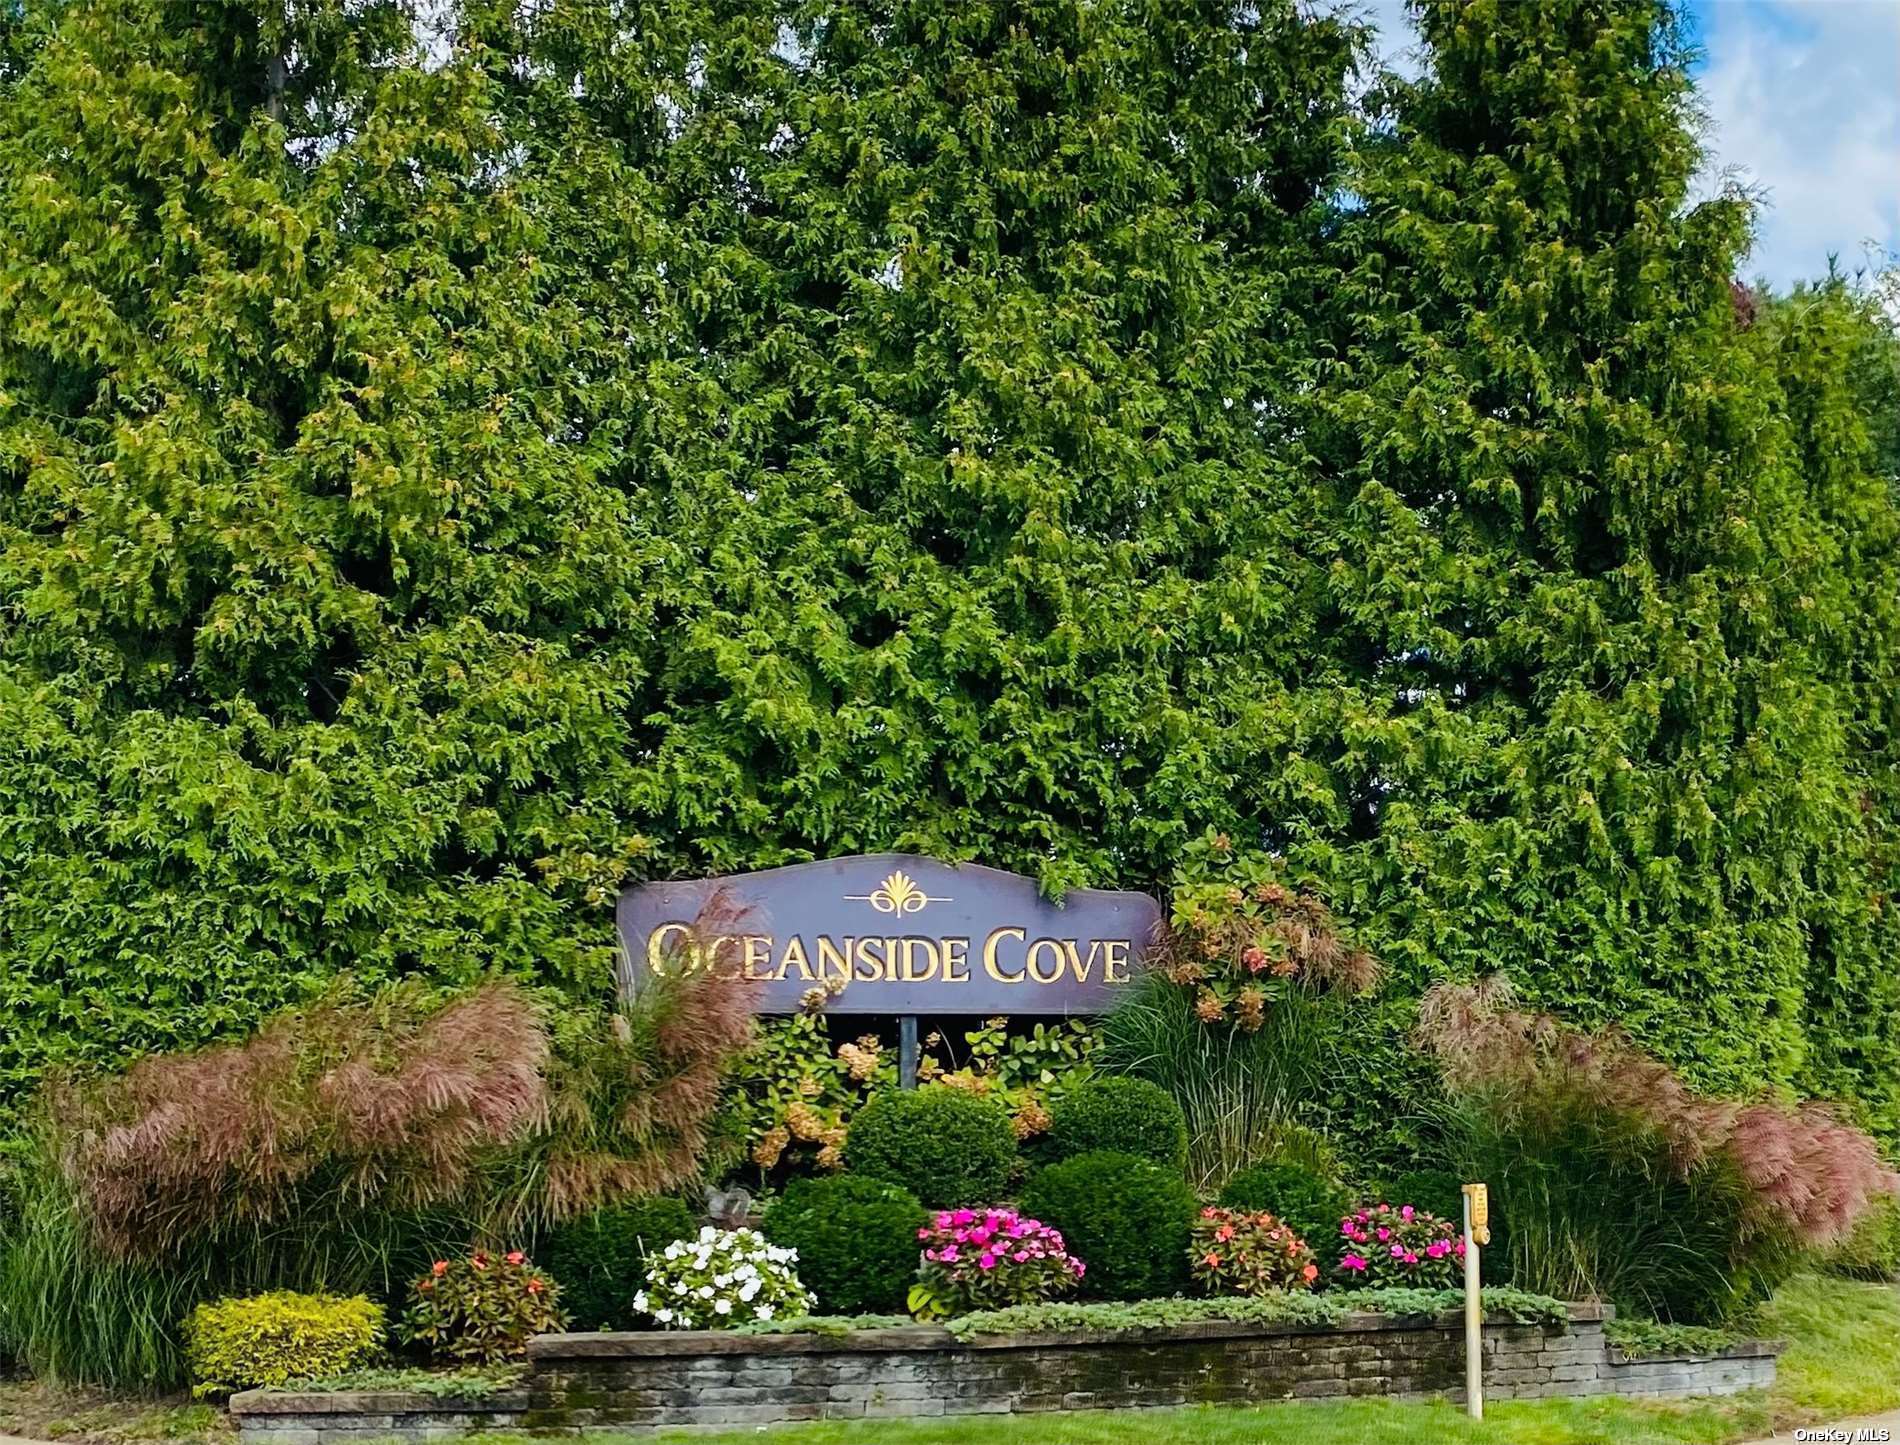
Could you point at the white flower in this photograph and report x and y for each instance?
(640, 1301)
(747, 1290)
(765, 1312)
(720, 1281)
(663, 1316)
(675, 1250)
(722, 1307)
(708, 1234)
(705, 1291)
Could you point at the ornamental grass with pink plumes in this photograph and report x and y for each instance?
(1615, 1179)
(387, 1103)
(1399, 1245)
(981, 1259)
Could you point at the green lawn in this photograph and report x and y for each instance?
(1844, 1360)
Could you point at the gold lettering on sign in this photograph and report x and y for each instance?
(834, 962)
(658, 948)
(910, 958)
(1053, 949)
(989, 954)
(758, 954)
(956, 955)
(794, 957)
(929, 947)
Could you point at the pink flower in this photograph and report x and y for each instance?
(1021, 1256)
(924, 1233)
(1345, 1228)
(949, 1255)
(1384, 1235)
(1398, 1251)
(1406, 1214)
(1410, 1258)
(979, 1236)
(1352, 1262)
(963, 1216)
(986, 1260)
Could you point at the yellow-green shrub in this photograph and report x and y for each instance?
(267, 1339)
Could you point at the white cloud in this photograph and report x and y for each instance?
(1804, 102)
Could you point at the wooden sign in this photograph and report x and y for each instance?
(890, 933)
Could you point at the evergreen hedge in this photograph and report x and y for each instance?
(443, 480)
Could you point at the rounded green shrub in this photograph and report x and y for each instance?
(267, 1339)
(856, 1239)
(1310, 1203)
(600, 1258)
(1123, 1115)
(1125, 1218)
(945, 1146)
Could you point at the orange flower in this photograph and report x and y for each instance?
(515, 1256)
(439, 1268)
(1310, 1273)
(1212, 1261)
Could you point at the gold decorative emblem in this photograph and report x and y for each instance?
(898, 893)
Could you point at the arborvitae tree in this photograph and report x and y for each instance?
(309, 589)
(455, 459)
(1834, 355)
(444, 474)
(1594, 601)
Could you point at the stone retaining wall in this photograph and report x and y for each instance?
(349, 1417)
(693, 1378)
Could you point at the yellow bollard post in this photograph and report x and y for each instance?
(1477, 1234)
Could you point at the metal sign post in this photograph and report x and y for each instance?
(1477, 1234)
(907, 1052)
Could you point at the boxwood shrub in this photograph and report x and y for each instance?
(945, 1146)
(600, 1258)
(856, 1239)
(1124, 1217)
(1311, 1203)
(1123, 1115)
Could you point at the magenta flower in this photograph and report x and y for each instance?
(1352, 1262)
(986, 1260)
